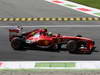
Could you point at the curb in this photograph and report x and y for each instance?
(77, 7)
(52, 19)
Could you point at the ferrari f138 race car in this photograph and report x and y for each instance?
(42, 39)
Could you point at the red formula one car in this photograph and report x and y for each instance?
(41, 38)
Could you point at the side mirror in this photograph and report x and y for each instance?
(21, 27)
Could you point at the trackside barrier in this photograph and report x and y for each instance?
(53, 19)
(50, 65)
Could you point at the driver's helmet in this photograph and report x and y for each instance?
(50, 34)
(58, 35)
(45, 29)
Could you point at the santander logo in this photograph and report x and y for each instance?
(1, 64)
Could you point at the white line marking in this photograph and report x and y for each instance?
(58, 26)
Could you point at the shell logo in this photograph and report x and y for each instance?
(43, 42)
(33, 33)
(46, 42)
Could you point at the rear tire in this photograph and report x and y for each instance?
(72, 46)
(17, 44)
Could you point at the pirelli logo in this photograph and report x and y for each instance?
(52, 19)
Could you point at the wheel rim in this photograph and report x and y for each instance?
(72, 46)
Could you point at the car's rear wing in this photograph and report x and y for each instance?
(14, 31)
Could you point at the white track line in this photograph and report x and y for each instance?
(58, 26)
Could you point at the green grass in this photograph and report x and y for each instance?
(91, 3)
(70, 64)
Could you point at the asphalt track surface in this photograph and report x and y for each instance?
(41, 8)
(49, 73)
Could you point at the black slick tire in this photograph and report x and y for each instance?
(72, 46)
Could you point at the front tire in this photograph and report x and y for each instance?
(72, 46)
